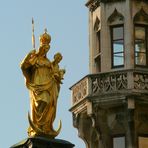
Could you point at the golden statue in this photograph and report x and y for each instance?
(43, 79)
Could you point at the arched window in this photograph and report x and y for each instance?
(97, 57)
(116, 21)
(141, 38)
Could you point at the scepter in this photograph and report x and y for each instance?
(33, 37)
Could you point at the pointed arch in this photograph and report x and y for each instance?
(141, 16)
(116, 17)
(97, 24)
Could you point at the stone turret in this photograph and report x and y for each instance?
(110, 104)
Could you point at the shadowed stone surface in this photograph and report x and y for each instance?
(40, 142)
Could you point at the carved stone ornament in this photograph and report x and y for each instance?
(108, 1)
(79, 91)
(109, 82)
(141, 81)
(115, 16)
(141, 16)
(93, 4)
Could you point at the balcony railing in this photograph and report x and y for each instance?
(111, 82)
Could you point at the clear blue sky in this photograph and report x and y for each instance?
(67, 23)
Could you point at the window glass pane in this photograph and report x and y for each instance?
(119, 142)
(140, 58)
(140, 33)
(117, 33)
(140, 46)
(143, 142)
(118, 59)
(118, 46)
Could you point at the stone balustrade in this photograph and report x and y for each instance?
(110, 82)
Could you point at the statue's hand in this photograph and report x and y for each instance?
(32, 52)
(57, 78)
(32, 57)
(63, 71)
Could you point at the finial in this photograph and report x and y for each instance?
(45, 30)
(33, 37)
(32, 25)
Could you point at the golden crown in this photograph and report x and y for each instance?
(45, 38)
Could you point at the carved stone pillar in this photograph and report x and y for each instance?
(83, 123)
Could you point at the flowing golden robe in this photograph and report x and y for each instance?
(43, 82)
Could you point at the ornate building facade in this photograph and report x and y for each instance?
(110, 104)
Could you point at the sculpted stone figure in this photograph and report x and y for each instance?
(43, 79)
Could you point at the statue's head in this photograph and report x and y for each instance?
(45, 38)
(58, 57)
(44, 43)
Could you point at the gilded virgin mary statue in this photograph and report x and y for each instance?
(43, 78)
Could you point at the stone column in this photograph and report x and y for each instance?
(129, 36)
(91, 42)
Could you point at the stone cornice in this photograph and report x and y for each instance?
(93, 4)
(107, 1)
